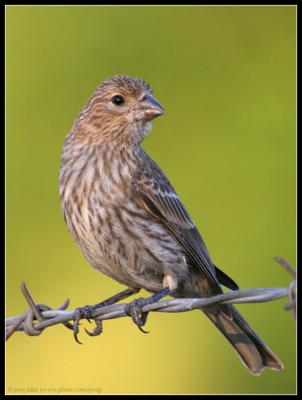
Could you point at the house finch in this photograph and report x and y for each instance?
(129, 222)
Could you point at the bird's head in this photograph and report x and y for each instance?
(120, 111)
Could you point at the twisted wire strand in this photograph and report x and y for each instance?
(40, 316)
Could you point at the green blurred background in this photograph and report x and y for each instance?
(227, 79)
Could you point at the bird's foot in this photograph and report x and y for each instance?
(85, 313)
(98, 329)
(134, 310)
(81, 313)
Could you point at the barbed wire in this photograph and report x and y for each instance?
(40, 316)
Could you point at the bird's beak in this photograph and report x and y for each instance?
(148, 108)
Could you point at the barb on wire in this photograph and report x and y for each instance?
(40, 316)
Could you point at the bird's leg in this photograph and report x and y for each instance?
(85, 312)
(134, 309)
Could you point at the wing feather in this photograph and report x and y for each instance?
(156, 194)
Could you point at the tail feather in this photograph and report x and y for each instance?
(253, 352)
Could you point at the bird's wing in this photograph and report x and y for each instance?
(157, 196)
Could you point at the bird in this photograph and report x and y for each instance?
(129, 222)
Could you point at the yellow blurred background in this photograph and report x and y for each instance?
(226, 77)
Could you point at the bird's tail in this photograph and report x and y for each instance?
(253, 352)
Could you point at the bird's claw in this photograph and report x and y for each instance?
(134, 310)
(80, 313)
(97, 330)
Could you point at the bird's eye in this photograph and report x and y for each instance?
(118, 100)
